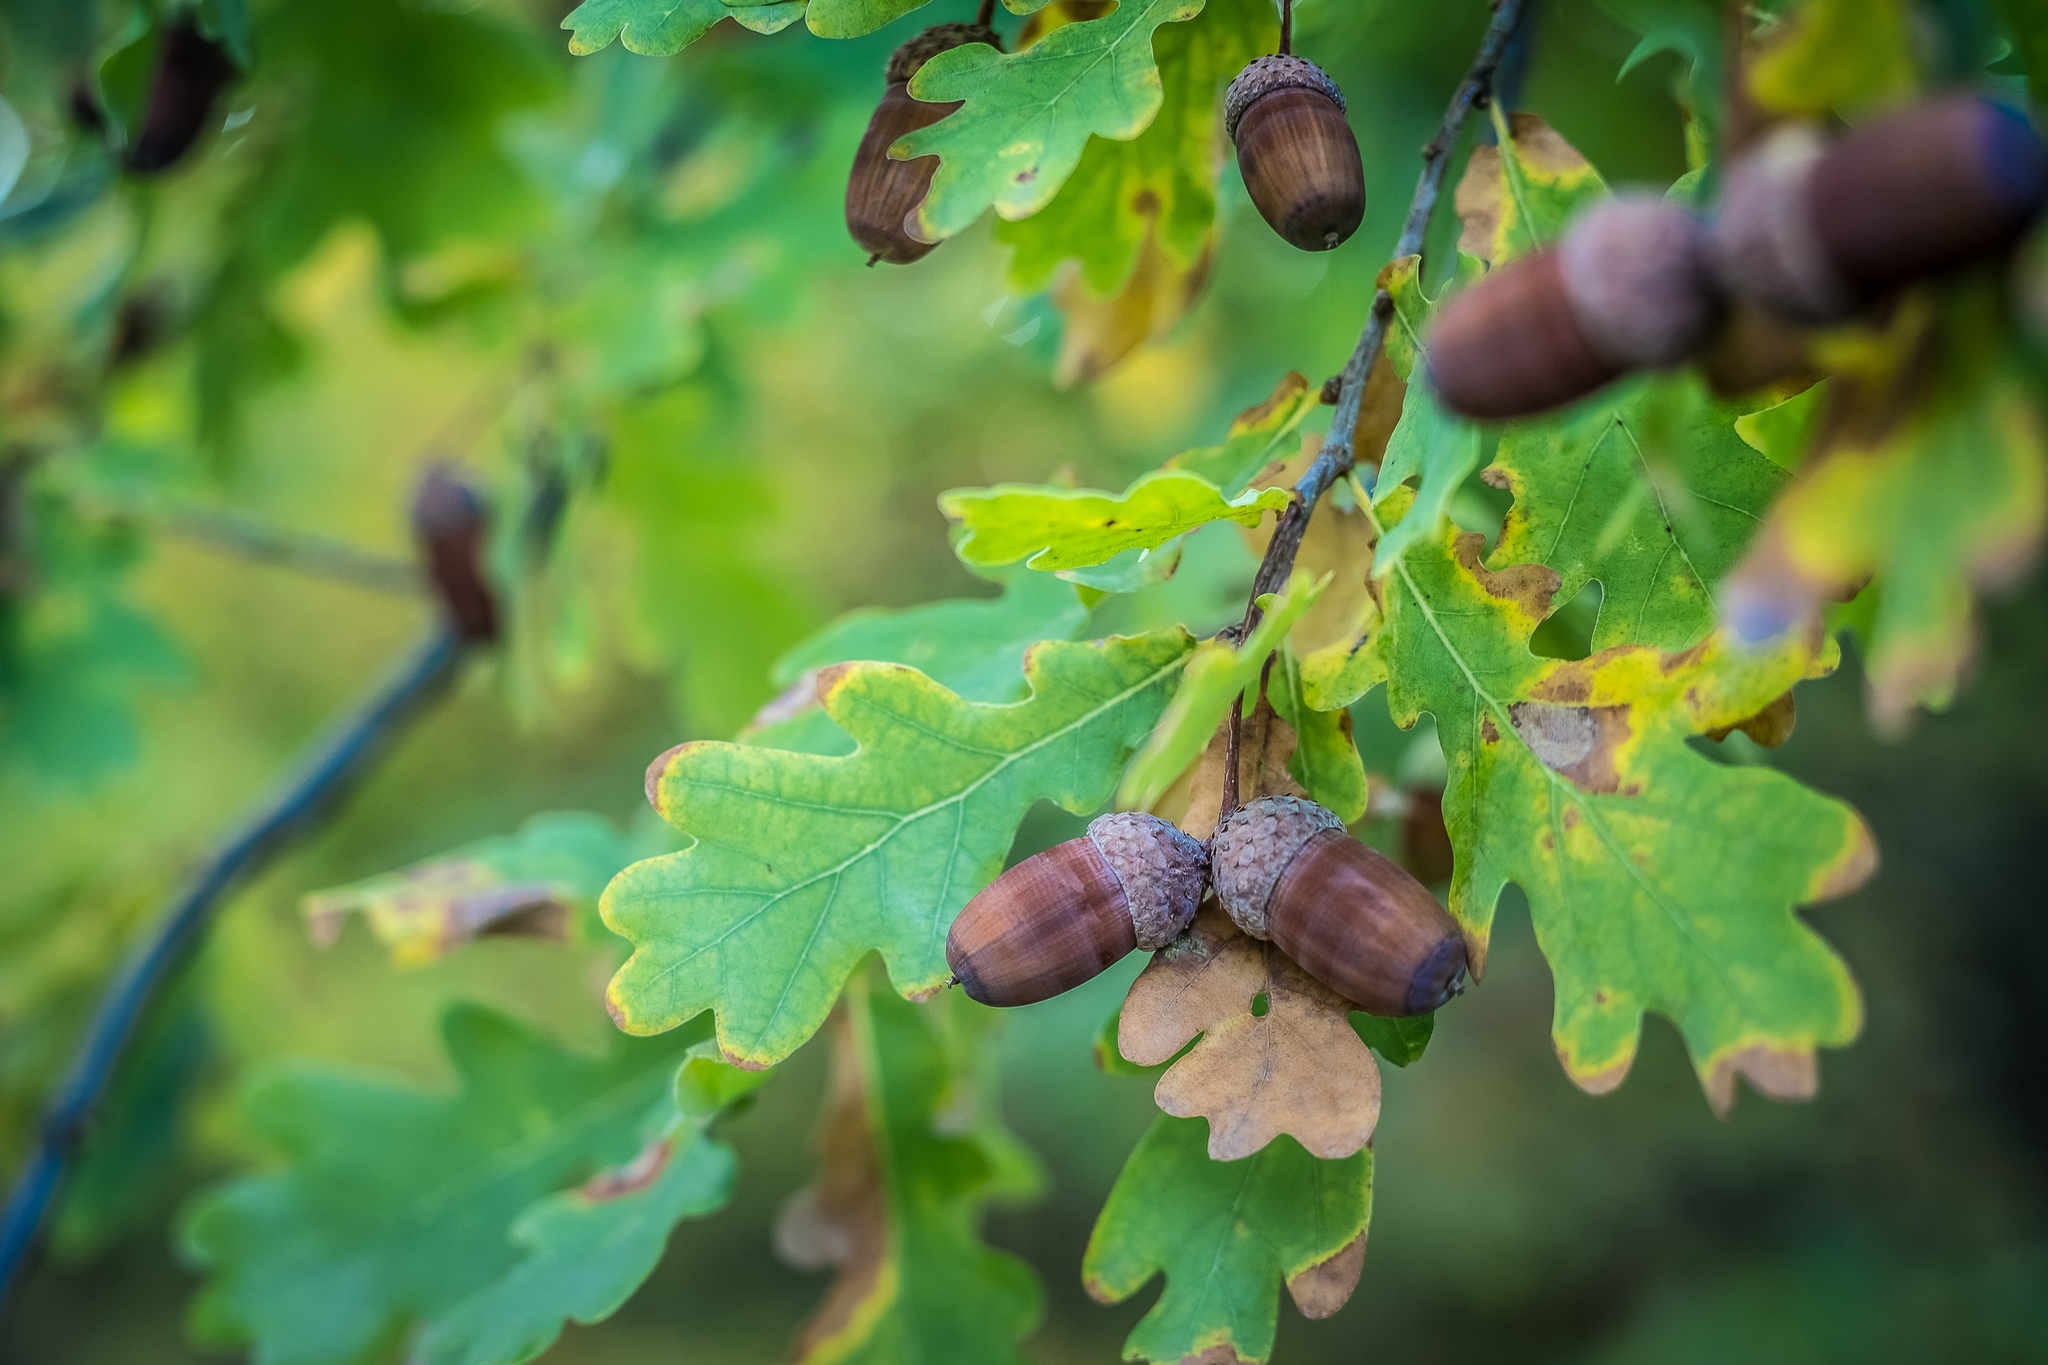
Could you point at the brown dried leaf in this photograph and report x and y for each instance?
(1325, 1287)
(1265, 745)
(424, 913)
(1480, 198)
(1298, 1068)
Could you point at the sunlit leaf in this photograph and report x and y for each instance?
(1069, 528)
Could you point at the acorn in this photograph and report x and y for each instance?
(1286, 870)
(1297, 154)
(451, 524)
(1628, 288)
(882, 196)
(1063, 916)
(1816, 233)
(191, 72)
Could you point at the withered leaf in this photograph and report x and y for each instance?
(1297, 1067)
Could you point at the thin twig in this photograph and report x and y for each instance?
(341, 757)
(1286, 27)
(1337, 455)
(986, 13)
(315, 555)
(1231, 741)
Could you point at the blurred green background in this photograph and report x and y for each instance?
(438, 236)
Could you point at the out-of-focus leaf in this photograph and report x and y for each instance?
(1948, 498)
(1837, 55)
(1226, 1235)
(1400, 1042)
(393, 1205)
(1296, 1068)
(1656, 878)
(586, 1250)
(805, 864)
(541, 882)
(1155, 193)
(1027, 116)
(1100, 333)
(1511, 202)
(1075, 528)
(1217, 673)
(653, 28)
(1258, 437)
(901, 1184)
(1325, 760)
(1691, 30)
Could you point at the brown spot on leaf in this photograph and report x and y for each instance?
(1326, 1286)
(1601, 1081)
(1220, 1354)
(1529, 586)
(1769, 727)
(636, 1175)
(1493, 476)
(1488, 731)
(1576, 742)
(1145, 203)
(1298, 1069)
(1778, 1073)
(1851, 868)
(658, 770)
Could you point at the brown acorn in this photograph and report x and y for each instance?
(883, 195)
(1286, 870)
(1063, 916)
(1627, 289)
(1298, 156)
(1815, 232)
(191, 72)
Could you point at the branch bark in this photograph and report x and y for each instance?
(1337, 456)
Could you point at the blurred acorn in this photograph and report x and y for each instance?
(1298, 156)
(1425, 839)
(883, 195)
(450, 522)
(1628, 288)
(1063, 916)
(184, 95)
(1286, 870)
(1817, 232)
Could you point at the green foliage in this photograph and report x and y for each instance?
(1027, 116)
(1062, 528)
(654, 28)
(1399, 1041)
(393, 1207)
(1326, 761)
(1225, 1234)
(804, 864)
(1162, 182)
(1846, 55)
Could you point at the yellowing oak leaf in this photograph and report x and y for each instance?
(1100, 333)
(1069, 528)
(1656, 878)
(804, 863)
(1296, 1068)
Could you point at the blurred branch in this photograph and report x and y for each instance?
(449, 521)
(1337, 455)
(319, 556)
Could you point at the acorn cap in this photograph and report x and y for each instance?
(907, 60)
(1763, 244)
(1267, 74)
(1636, 274)
(1253, 846)
(1163, 872)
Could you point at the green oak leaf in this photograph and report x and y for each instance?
(803, 864)
(1163, 180)
(393, 1204)
(1226, 1235)
(588, 1249)
(652, 28)
(1837, 55)
(1647, 488)
(1657, 879)
(1027, 115)
(1216, 673)
(901, 1187)
(1690, 29)
(1325, 761)
(1077, 528)
(1258, 436)
(543, 881)
(1399, 1041)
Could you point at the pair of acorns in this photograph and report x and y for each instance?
(1810, 233)
(1284, 870)
(1298, 156)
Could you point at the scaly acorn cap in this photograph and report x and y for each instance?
(1267, 74)
(1162, 869)
(1253, 846)
(907, 60)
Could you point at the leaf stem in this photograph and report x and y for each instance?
(1337, 456)
(986, 14)
(1286, 27)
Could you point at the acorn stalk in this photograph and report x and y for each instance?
(883, 195)
(1297, 154)
(1286, 870)
(1063, 916)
